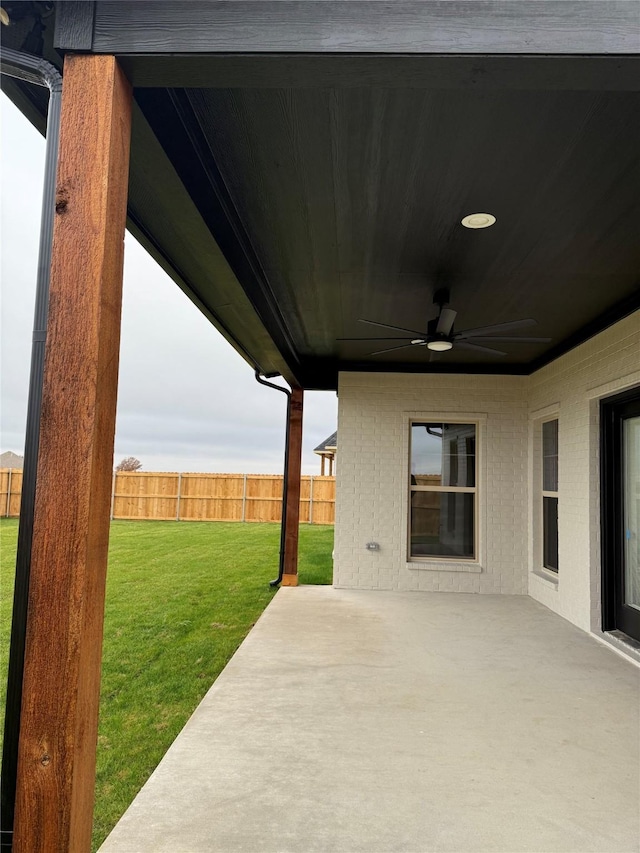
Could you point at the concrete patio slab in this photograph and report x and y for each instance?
(385, 721)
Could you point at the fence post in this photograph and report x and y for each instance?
(9, 492)
(178, 497)
(311, 500)
(113, 494)
(244, 497)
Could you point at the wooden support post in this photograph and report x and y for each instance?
(323, 457)
(292, 509)
(61, 688)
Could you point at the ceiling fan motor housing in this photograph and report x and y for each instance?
(434, 335)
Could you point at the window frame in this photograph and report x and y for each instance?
(537, 574)
(439, 561)
(547, 493)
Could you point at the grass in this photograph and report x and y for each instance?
(181, 597)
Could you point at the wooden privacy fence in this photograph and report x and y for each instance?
(198, 497)
(10, 492)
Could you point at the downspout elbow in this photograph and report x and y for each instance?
(31, 69)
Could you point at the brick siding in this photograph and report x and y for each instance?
(372, 485)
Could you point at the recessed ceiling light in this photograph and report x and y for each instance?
(419, 341)
(479, 220)
(439, 346)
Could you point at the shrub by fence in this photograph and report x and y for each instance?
(197, 497)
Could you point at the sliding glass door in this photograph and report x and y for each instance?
(621, 513)
(631, 509)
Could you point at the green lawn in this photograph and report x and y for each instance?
(180, 599)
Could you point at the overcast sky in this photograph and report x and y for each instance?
(186, 400)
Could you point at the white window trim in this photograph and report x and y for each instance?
(536, 493)
(446, 564)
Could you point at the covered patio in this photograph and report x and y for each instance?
(369, 198)
(354, 720)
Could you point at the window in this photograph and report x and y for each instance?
(442, 491)
(550, 495)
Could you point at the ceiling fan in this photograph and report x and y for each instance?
(439, 335)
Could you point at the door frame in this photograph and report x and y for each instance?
(615, 614)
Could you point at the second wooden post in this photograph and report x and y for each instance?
(294, 471)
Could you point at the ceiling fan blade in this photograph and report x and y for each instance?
(397, 338)
(445, 321)
(391, 349)
(397, 328)
(512, 340)
(476, 348)
(499, 327)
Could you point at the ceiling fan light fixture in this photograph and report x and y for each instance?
(439, 346)
(479, 220)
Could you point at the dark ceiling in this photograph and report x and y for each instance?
(352, 200)
(288, 211)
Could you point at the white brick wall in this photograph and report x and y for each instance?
(574, 385)
(373, 425)
(373, 429)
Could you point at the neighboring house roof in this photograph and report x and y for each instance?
(9, 459)
(329, 445)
